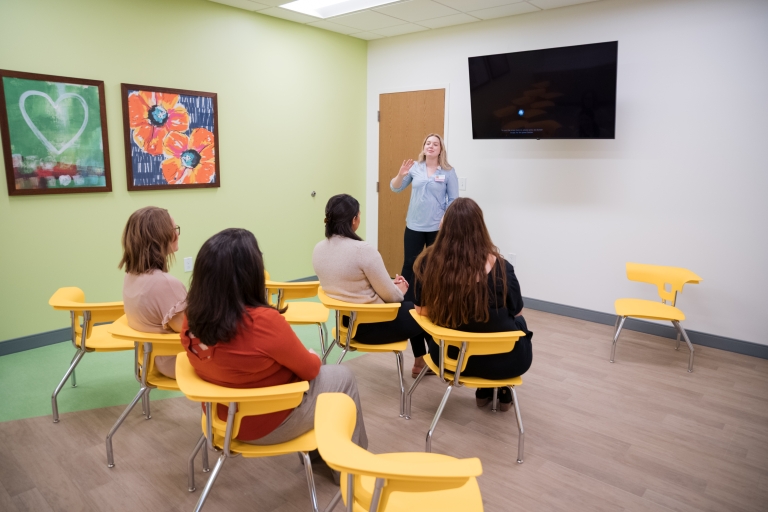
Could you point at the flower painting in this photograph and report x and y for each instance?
(170, 138)
(54, 134)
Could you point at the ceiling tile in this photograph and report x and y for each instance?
(447, 21)
(399, 30)
(367, 20)
(243, 4)
(554, 4)
(334, 27)
(504, 10)
(416, 10)
(289, 15)
(475, 5)
(366, 35)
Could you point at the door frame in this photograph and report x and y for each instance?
(372, 171)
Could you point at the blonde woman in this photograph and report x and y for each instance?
(154, 300)
(434, 187)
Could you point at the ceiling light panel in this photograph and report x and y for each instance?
(329, 8)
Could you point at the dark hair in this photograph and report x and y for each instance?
(147, 240)
(228, 277)
(340, 211)
(451, 272)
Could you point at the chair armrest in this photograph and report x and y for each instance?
(452, 335)
(120, 330)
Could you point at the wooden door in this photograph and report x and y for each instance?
(405, 118)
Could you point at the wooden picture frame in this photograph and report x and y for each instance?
(171, 138)
(53, 147)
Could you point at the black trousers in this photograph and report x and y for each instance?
(495, 366)
(403, 327)
(413, 243)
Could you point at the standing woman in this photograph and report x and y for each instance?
(435, 186)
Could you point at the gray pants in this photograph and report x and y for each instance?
(331, 379)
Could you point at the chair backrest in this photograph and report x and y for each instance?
(335, 416)
(673, 277)
(250, 401)
(477, 344)
(364, 313)
(291, 291)
(72, 299)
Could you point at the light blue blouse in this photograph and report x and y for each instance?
(429, 196)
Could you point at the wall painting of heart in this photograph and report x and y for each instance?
(171, 138)
(54, 134)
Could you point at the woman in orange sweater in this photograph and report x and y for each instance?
(234, 338)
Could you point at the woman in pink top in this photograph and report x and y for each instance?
(154, 300)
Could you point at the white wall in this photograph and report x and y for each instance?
(684, 183)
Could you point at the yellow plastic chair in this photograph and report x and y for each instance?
(669, 281)
(364, 314)
(469, 344)
(147, 347)
(86, 336)
(391, 482)
(299, 313)
(243, 402)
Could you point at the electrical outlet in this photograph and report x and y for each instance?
(512, 258)
(462, 183)
(188, 264)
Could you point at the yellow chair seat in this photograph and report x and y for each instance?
(300, 313)
(398, 346)
(409, 496)
(474, 382)
(303, 443)
(640, 308)
(102, 341)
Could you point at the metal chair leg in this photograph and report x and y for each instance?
(191, 464)
(120, 420)
(343, 353)
(321, 332)
(495, 402)
(437, 417)
(521, 431)
(421, 375)
(399, 359)
(74, 371)
(680, 330)
(310, 480)
(209, 483)
(206, 467)
(334, 501)
(148, 413)
(677, 343)
(70, 371)
(616, 336)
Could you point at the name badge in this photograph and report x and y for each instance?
(439, 178)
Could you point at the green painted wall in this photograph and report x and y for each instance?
(291, 120)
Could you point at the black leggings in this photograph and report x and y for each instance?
(495, 366)
(403, 327)
(413, 243)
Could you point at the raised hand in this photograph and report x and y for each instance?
(405, 167)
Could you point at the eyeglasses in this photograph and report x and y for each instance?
(177, 229)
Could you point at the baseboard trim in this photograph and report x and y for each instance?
(35, 341)
(697, 338)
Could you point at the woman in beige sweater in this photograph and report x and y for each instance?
(351, 270)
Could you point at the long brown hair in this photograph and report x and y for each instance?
(451, 272)
(147, 240)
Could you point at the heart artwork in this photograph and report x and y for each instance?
(57, 107)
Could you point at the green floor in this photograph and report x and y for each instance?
(28, 378)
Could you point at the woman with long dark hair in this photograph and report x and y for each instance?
(463, 283)
(234, 338)
(351, 270)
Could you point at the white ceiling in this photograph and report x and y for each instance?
(405, 16)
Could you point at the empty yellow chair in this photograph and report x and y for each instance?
(147, 347)
(469, 344)
(221, 435)
(86, 336)
(364, 314)
(391, 482)
(300, 313)
(669, 282)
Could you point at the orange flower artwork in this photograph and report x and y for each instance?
(152, 116)
(189, 159)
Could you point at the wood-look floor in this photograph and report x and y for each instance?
(641, 434)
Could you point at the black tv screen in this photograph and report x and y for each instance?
(557, 93)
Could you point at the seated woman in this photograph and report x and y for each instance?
(234, 338)
(351, 270)
(463, 283)
(154, 300)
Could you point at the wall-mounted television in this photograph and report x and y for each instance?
(557, 93)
